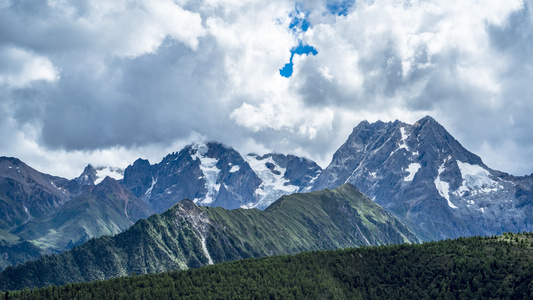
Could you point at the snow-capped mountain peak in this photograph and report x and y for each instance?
(93, 176)
(423, 174)
(214, 174)
(113, 172)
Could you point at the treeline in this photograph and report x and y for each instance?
(466, 268)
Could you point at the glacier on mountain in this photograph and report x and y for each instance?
(443, 187)
(476, 179)
(209, 168)
(274, 184)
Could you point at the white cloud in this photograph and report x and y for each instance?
(127, 28)
(284, 114)
(21, 67)
(255, 40)
(379, 41)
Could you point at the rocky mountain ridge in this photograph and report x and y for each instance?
(55, 213)
(418, 172)
(104, 209)
(214, 174)
(426, 177)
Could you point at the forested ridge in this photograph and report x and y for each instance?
(465, 268)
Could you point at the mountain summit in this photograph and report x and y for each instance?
(425, 176)
(213, 174)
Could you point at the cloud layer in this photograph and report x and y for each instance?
(104, 83)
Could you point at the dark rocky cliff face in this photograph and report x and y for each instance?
(138, 177)
(423, 175)
(211, 174)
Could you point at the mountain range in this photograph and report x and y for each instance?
(105, 209)
(417, 172)
(189, 236)
(55, 214)
(214, 174)
(43, 214)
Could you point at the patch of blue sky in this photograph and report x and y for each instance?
(340, 8)
(298, 24)
(300, 50)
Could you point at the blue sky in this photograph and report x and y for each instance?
(107, 82)
(286, 71)
(300, 23)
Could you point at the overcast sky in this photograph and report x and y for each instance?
(106, 82)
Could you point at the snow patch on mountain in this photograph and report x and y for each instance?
(476, 179)
(412, 169)
(274, 184)
(403, 141)
(234, 169)
(308, 188)
(208, 166)
(443, 187)
(149, 190)
(103, 172)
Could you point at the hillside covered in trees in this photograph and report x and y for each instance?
(466, 268)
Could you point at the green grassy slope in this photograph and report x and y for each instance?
(328, 219)
(466, 268)
(188, 236)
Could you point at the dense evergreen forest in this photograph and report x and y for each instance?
(466, 268)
